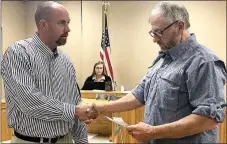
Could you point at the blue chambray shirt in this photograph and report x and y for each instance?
(187, 79)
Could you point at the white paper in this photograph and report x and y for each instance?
(122, 89)
(118, 120)
(95, 90)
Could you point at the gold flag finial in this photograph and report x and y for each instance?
(105, 4)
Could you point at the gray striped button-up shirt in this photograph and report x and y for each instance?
(40, 90)
(187, 79)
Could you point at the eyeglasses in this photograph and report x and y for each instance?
(160, 33)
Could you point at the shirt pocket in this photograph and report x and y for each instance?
(169, 88)
(149, 83)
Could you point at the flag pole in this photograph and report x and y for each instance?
(105, 4)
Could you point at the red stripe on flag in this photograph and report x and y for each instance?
(109, 63)
(101, 55)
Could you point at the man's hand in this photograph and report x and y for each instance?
(142, 132)
(100, 108)
(86, 112)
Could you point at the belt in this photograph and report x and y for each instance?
(37, 139)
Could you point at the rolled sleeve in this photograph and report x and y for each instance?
(213, 111)
(138, 91)
(206, 90)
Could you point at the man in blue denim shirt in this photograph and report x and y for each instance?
(182, 91)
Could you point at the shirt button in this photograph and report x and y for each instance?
(213, 115)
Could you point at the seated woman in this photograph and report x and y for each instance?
(98, 80)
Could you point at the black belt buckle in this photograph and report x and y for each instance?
(37, 139)
(54, 140)
(50, 140)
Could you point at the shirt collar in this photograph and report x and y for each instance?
(181, 48)
(94, 77)
(44, 49)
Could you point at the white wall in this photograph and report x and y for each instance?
(133, 49)
(13, 24)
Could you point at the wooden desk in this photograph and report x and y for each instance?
(101, 125)
(92, 94)
(223, 131)
(130, 117)
(6, 133)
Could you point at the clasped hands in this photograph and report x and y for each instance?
(86, 112)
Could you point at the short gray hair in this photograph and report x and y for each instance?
(173, 12)
(43, 11)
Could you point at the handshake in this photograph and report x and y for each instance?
(88, 112)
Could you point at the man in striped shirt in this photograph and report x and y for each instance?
(42, 96)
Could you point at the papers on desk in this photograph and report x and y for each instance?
(95, 90)
(118, 120)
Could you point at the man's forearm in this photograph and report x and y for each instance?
(126, 103)
(189, 125)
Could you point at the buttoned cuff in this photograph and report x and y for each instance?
(69, 112)
(212, 111)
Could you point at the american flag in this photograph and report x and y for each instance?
(105, 51)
